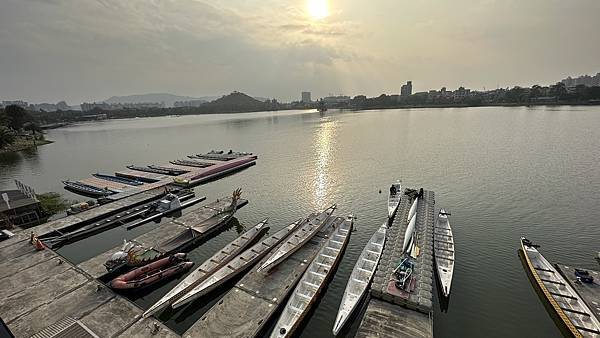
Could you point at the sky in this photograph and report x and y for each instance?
(89, 50)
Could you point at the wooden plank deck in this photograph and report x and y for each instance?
(244, 311)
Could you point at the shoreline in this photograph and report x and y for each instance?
(175, 112)
(22, 143)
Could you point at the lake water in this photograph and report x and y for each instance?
(502, 172)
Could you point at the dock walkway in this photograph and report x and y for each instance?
(382, 289)
(196, 214)
(244, 311)
(42, 293)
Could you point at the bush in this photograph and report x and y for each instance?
(6, 136)
(53, 203)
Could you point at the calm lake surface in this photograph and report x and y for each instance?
(502, 172)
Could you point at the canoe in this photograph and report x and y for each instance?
(443, 249)
(413, 210)
(118, 179)
(174, 171)
(192, 163)
(309, 228)
(86, 189)
(151, 273)
(410, 229)
(314, 280)
(573, 313)
(394, 198)
(361, 276)
(144, 212)
(217, 261)
(237, 265)
(153, 170)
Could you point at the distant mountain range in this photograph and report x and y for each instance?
(168, 99)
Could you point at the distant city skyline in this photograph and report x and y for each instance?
(88, 51)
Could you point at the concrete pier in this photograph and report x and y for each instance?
(382, 288)
(41, 290)
(244, 311)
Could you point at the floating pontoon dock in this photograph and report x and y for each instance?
(388, 303)
(193, 175)
(244, 311)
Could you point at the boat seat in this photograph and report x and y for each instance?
(318, 274)
(310, 284)
(552, 281)
(328, 256)
(301, 295)
(373, 252)
(359, 281)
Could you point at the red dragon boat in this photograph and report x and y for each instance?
(151, 273)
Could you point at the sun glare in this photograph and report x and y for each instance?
(318, 9)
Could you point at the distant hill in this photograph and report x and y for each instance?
(237, 99)
(168, 99)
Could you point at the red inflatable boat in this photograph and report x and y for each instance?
(152, 272)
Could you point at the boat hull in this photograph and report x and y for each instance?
(314, 280)
(306, 231)
(360, 278)
(207, 268)
(240, 263)
(570, 312)
(444, 252)
(151, 273)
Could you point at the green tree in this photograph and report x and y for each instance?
(559, 90)
(52, 203)
(17, 116)
(6, 136)
(536, 91)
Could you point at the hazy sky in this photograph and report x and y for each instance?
(84, 50)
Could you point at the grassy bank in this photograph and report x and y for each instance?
(23, 143)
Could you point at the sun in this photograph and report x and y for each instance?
(317, 9)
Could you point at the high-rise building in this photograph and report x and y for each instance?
(306, 97)
(406, 90)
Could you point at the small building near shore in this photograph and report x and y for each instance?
(20, 207)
